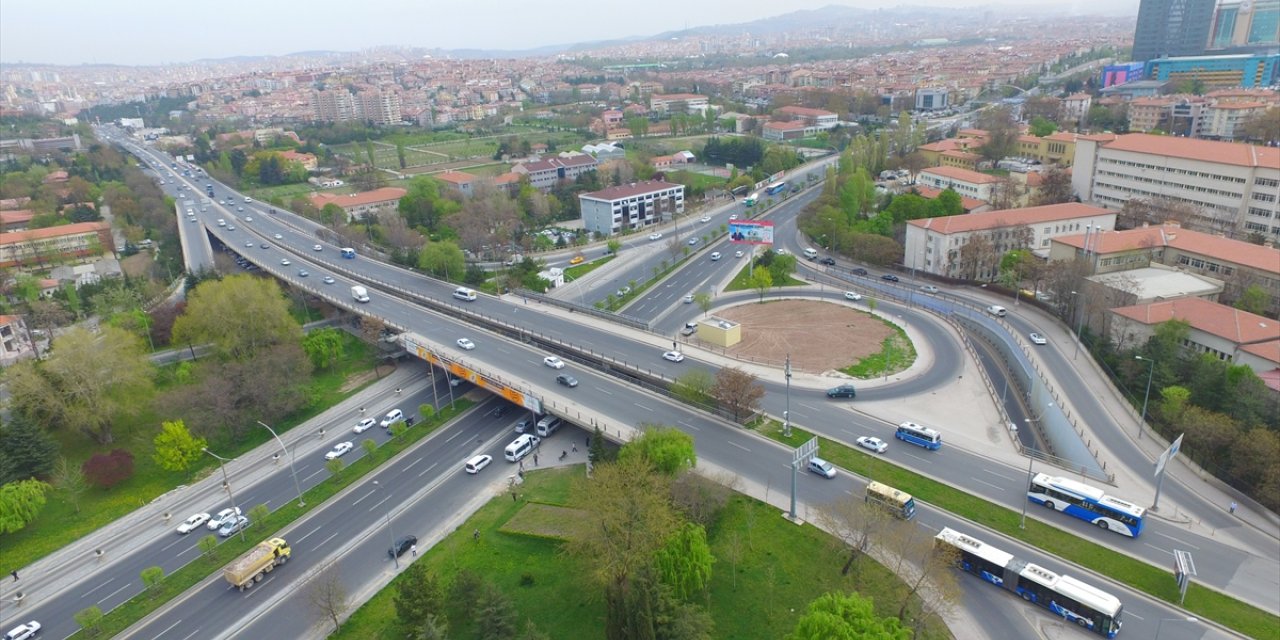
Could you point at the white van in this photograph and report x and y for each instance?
(811, 253)
(547, 426)
(392, 417)
(463, 293)
(521, 447)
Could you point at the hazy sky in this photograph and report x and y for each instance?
(155, 32)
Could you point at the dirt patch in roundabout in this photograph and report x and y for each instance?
(820, 336)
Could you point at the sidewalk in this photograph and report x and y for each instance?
(98, 551)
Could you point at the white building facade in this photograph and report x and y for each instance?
(631, 206)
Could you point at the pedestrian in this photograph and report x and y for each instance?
(475, 535)
(522, 466)
(413, 548)
(575, 447)
(520, 473)
(535, 459)
(14, 573)
(1233, 512)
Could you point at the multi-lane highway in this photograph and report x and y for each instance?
(604, 397)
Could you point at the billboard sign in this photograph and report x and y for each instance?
(751, 231)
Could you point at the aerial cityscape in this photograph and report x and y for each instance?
(656, 322)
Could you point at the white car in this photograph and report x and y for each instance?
(317, 248)
(393, 416)
(278, 237)
(655, 236)
(928, 288)
(733, 216)
(339, 450)
(248, 218)
(705, 219)
(553, 362)
(329, 280)
(464, 343)
(852, 295)
(285, 262)
(223, 517)
(232, 526)
(1037, 338)
(874, 444)
(674, 356)
(248, 243)
(477, 463)
(693, 241)
(738, 254)
(822, 468)
(715, 255)
(24, 631)
(193, 523)
(365, 425)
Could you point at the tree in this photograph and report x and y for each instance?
(151, 578)
(597, 452)
(1055, 187)
(1041, 127)
(334, 466)
(1002, 133)
(703, 300)
(231, 396)
(20, 503)
(328, 597)
(1253, 299)
(761, 280)
(846, 616)
(433, 628)
(208, 544)
(1262, 128)
(90, 620)
(89, 382)
(175, 447)
(855, 524)
(418, 597)
(442, 259)
(781, 268)
(925, 568)
(29, 449)
(694, 386)
(242, 316)
(106, 470)
(324, 347)
(496, 616)
(666, 449)
(259, 512)
(1005, 194)
(69, 479)
(684, 562)
(614, 245)
(737, 391)
(629, 518)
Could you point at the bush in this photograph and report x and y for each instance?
(107, 470)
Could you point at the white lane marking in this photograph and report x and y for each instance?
(1000, 475)
(739, 446)
(1179, 541)
(1130, 614)
(180, 540)
(109, 581)
(104, 598)
(607, 393)
(420, 473)
(912, 455)
(1157, 549)
(988, 484)
(308, 534)
(637, 404)
(455, 434)
(410, 465)
(361, 498)
(808, 406)
(695, 428)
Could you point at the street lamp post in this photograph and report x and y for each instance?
(226, 482)
(292, 471)
(1162, 621)
(394, 558)
(786, 414)
(1023, 524)
(1151, 369)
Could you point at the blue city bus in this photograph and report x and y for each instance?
(1087, 503)
(776, 188)
(348, 252)
(919, 436)
(1078, 602)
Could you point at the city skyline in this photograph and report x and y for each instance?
(161, 33)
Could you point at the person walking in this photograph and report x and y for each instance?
(413, 548)
(575, 447)
(475, 535)
(14, 573)
(1233, 507)
(535, 459)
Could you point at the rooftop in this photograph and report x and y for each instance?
(13, 237)
(1262, 258)
(629, 190)
(1244, 155)
(1155, 283)
(1228, 323)
(1008, 217)
(383, 194)
(963, 175)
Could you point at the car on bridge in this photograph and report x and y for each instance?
(1037, 338)
(464, 343)
(567, 380)
(674, 356)
(329, 280)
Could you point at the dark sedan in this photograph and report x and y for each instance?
(842, 391)
(889, 277)
(403, 544)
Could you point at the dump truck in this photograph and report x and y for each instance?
(253, 566)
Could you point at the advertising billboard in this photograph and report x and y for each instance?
(751, 231)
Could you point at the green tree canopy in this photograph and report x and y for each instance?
(666, 449)
(846, 616)
(240, 316)
(20, 503)
(175, 447)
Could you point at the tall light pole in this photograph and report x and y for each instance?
(395, 558)
(1080, 296)
(1151, 369)
(226, 482)
(301, 502)
(1162, 621)
(786, 414)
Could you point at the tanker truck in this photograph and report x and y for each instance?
(253, 566)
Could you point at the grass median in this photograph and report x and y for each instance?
(176, 583)
(1153, 581)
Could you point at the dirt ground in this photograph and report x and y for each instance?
(820, 336)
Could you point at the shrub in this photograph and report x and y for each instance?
(107, 470)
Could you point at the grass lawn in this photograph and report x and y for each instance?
(1156, 581)
(741, 282)
(287, 192)
(767, 570)
(896, 354)
(59, 524)
(579, 270)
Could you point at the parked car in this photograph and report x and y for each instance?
(842, 391)
(1037, 338)
(477, 463)
(822, 467)
(402, 546)
(567, 380)
(193, 523)
(553, 362)
(339, 450)
(874, 444)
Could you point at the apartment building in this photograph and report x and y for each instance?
(48, 246)
(693, 103)
(817, 118)
(1229, 334)
(631, 206)
(546, 173)
(1236, 70)
(965, 182)
(340, 105)
(460, 181)
(936, 245)
(1056, 148)
(1233, 188)
(1236, 263)
(358, 206)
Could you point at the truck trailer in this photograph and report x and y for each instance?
(253, 566)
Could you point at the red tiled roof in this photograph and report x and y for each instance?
(1228, 323)
(629, 190)
(968, 203)
(963, 175)
(12, 237)
(1171, 235)
(455, 177)
(506, 178)
(383, 194)
(804, 112)
(793, 125)
(20, 216)
(1006, 217)
(1243, 155)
